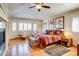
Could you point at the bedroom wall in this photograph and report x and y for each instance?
(68, 24)
(15, 34)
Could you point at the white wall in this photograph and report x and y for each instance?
(68, 24)
(15, 34)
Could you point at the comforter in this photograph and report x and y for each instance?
(44, 40)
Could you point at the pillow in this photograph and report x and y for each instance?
(51, 33)
(59, 32)
(55, 32)
(36, 36)
(46, 32)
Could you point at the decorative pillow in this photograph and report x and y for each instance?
(36, 36)
(51, 33)
(56, 32)
(59, 32)
(46, 32)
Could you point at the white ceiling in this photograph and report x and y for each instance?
(21, 10)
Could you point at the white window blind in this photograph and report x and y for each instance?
(14, 26)
(34, 27)
(21, 26)
(29, 26)
(75, 24)
(25, 26)
(2, 25)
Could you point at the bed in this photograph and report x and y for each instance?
(44, 40)
(51, 36)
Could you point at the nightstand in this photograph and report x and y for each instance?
(66, 41)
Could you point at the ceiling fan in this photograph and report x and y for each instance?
(39, 6)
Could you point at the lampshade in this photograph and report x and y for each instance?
(67, 34)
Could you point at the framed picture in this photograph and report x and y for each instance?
(44, 25)
(51, 24)
(59, 22)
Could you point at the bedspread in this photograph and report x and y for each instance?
(44, 40)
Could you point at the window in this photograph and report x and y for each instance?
(25, 26)
(14, 26)
(34, 27)
(21, 26)
(75, 24)
(51, 26)
(2, 25)
(29, 26)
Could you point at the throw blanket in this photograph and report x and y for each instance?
(44, 40)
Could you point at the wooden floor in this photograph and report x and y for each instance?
(19, 47)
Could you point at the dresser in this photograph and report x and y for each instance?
(77, 49)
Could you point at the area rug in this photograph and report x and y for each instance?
(56, 50)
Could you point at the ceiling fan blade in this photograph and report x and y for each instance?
(42, 3)
(32, 7)
(38, 3)
(45, 6)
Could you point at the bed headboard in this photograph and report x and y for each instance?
(55, 32)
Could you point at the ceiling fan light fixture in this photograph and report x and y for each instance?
(38, 6)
